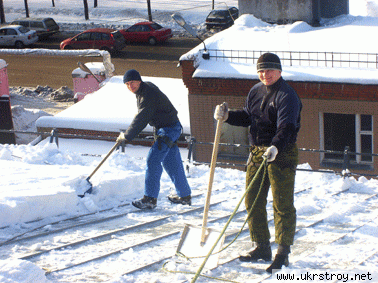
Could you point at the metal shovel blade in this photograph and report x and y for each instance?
(89, 190)
(192, 247)
(90, 186)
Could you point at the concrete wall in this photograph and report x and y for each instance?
(279, 11)
(287, 11)
(333, 8)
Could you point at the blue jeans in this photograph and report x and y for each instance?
(170, 160)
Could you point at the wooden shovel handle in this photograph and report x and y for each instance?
(211, 178)
(104, 159)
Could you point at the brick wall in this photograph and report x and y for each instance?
(205, 94)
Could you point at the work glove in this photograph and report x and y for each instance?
(270, 153)
(221, 112)
(121, 137)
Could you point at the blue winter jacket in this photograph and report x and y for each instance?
(272, 113)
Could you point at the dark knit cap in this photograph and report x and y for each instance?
(269, 61)
(131, 75)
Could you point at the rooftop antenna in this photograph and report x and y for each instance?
(181, 22)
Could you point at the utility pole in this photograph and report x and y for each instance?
(53, 3)
(95, 4)
(149, 10)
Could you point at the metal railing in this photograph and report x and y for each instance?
(345, 165)
(301, 58)
(191, 143)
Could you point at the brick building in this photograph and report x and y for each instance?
(338, 111)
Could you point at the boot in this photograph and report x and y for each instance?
(145, 203)
(262, 251)
(281, 258)
(180, 200)
(278, 262)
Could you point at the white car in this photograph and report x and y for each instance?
(17, 36)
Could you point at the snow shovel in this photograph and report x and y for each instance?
(89, 190)
(196, 242)
(86, 69)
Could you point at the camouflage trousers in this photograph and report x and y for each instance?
(280, 176)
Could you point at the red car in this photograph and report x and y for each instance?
(97, 38)
(150, 32)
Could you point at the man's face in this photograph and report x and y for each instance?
(133, 86)
(269, 77)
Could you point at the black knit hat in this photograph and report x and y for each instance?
(131, 75)
(269, 61)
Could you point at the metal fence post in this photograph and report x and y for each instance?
(192, 143)
(346, 172)
(54, 136)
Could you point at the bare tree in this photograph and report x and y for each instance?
(86, 9)
(53, 3)
(95, 4)
(149, 10)
(2, 15)
(26, 8)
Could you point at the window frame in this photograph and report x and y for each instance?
(357, 160)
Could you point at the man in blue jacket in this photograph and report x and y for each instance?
(154, 108)
(272, 111)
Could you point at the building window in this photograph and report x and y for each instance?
(341, 130)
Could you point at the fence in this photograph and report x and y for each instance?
(300, 58)
(345, 172)
(191, 143)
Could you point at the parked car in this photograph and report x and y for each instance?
(45, 27)
(17, 36)
(221, 19)
(98, 38)
(150, 32)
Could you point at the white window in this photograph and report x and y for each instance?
(337, 131)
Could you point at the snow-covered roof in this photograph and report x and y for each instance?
(346, 37)
(113, 107)
(227, 70)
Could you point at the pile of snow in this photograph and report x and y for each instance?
(64, 93)
(24, 120)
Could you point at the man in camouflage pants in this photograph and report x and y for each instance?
(272, 111)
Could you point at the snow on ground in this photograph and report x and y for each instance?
(42, 182)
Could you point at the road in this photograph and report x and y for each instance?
(54, 71)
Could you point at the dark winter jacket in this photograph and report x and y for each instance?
(273, 114)
(154, 108)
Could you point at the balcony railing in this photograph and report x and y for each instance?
(301, 58)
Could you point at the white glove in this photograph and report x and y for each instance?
(271, 153)
(221, 112)
(121, 137)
